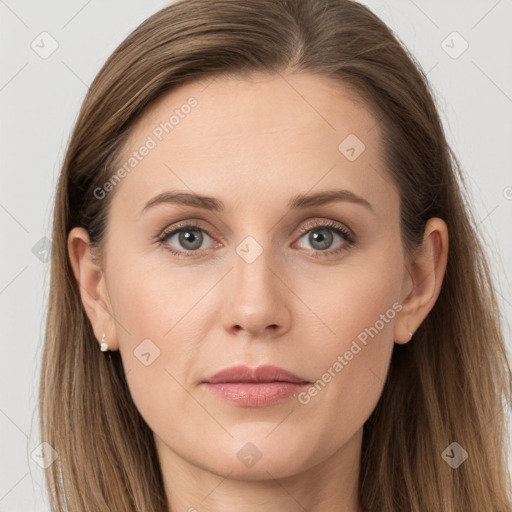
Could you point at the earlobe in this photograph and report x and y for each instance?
(426, 272)
(91, 285)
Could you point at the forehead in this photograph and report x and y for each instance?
(258, 102)
(253, 136)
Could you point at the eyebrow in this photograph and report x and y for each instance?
(300, 201)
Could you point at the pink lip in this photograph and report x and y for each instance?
(258, 387)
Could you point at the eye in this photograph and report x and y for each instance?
(187, 238)
(322, 236)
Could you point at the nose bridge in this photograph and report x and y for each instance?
(254, 252)
(252, 273)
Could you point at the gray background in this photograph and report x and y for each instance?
(39, 102)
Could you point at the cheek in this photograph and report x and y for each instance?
(153, 307)
(359, 310)
(150, 298)
(346, 299)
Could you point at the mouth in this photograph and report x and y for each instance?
(258, 387)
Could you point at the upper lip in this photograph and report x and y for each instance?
(265, 373)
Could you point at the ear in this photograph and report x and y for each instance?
(91, 283)
(422, 286)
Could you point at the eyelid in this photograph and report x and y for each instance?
(305, 228)
(195, 223)
(331, 224)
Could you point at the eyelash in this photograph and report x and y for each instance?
(343, 232)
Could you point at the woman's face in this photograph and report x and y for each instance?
(271, 273)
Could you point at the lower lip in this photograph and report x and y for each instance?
(252, 394)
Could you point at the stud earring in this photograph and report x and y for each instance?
(103, 345)
(410, 335)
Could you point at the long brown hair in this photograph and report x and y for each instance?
(449, 384)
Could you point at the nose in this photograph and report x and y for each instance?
(257, 298)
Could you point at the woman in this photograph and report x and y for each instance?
(253, 305)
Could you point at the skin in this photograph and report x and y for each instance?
(253, 143)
